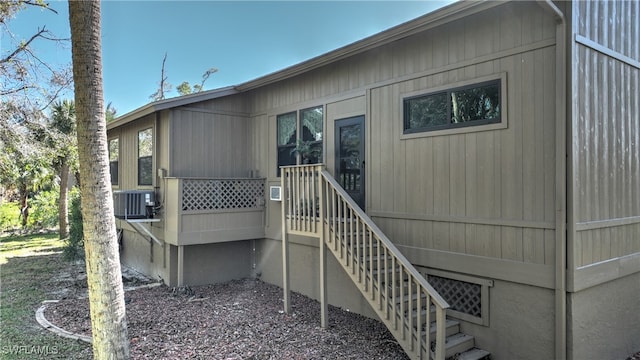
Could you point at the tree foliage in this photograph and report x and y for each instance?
(73, 248)
(38, 148)
(63, 139)
(28, 85)
(25, 79)
(110, 112)
(185, 88)
(24, 163)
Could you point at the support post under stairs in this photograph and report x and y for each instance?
(285, 249)
(324, 307)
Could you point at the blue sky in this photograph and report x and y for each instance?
(242, 39)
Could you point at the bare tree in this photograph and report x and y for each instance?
(164, 86)
(106, 296)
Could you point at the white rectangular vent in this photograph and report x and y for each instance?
(133, 204)
(275, 193)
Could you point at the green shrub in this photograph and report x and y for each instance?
(74, 247)
(43, 210)
(9, 216)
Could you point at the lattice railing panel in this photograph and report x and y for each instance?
(461, 295)
(221, 194)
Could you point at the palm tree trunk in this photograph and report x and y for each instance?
(63, 201)
(106, 296)
(24, 204)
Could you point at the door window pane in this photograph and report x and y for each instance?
(350, 157)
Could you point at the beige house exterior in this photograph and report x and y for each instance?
(531, 214)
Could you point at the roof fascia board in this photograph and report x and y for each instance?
(194, 98)
(171, 103)
(439, 17)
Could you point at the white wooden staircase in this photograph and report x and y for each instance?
(315, 205)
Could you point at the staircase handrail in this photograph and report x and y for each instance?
(307, 192)
(435, 296)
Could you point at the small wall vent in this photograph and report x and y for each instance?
(133, 204)
(275, 193)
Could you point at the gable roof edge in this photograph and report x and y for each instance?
(430, 20)
(171, 103)
(435, 18)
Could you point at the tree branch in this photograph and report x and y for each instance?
(24, 46)
(13, 91)
(39, 4)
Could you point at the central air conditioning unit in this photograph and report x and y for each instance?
(133, 204)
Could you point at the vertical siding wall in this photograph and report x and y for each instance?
(487, 193)
(606, 130)
(210, 141)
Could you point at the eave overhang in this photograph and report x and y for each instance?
(171, 103)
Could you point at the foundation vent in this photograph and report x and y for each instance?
(468, 296)
(461, 296)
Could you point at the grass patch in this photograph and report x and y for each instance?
(9, 216)
(28, 265)
(29, 245)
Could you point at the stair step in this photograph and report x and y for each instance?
(452, 327)
(375, 272)
(414, 299)
(459, 343)
(473, 354)
(382, 274)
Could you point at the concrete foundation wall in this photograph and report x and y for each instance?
(137, 252)
(203, 264)
(604, 320)
(521, 323)
(216, 263)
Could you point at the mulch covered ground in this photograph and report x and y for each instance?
(236, 320)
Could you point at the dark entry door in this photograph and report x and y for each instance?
(350, 157)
